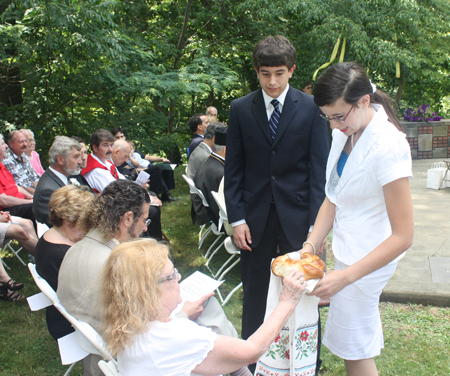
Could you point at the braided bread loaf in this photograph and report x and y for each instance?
(310, 265)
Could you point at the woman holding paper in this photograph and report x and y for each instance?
(139, 293)
(369, 207)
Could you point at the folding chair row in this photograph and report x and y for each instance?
(74, 346)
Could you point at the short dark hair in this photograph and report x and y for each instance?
(116, 130)
(101, 135)
(194, 122)
(79, 139)
(211, 130)
(274, 51)
(305, 84)
(107, 209)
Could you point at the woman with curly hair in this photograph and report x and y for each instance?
(66, 206)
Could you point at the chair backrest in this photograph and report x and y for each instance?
(108, 369)
(42, 284)
(194, 190)
(87, 336)
(221, 204)
(42, 228)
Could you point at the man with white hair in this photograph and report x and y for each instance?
(65, 160)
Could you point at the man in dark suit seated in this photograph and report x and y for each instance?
(65, 163)
(161, 181)
(197, 124)
(210, 173)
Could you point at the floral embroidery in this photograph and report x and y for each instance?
(306, 342)
(304, 336)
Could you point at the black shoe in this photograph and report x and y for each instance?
(167, 197)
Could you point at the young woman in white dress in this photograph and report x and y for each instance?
(369, 207)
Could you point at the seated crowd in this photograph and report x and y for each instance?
(89, 202)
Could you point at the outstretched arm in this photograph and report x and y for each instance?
(230, 354)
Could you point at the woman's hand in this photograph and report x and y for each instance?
(331, 284)
(293, 287)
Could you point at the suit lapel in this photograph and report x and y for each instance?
(290, 107)
(260, 113)
(55, 178)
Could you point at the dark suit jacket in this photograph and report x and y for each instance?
(48, 183)
(289, 169)
(207, 179)
(196, 139)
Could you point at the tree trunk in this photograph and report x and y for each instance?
(399, 92)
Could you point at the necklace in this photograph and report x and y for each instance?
(60, 233)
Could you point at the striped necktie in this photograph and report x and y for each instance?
(275, 118)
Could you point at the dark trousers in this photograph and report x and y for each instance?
(255, 272)
(23, 211)
(157, 183)
(154, 228)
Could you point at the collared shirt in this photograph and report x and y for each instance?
(21, 169)
(269, 106)
(61, 177)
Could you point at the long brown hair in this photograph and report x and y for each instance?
(350, 82)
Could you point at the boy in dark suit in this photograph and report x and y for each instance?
(274, 173)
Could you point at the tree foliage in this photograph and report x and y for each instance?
(72, 66)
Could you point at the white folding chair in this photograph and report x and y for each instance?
(74, 346)
(233, 251)
(42, 228)
(108, 369)
(194, 190)
(16, 253)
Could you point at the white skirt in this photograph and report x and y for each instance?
(353, 330)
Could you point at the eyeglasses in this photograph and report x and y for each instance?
(147, 221)
(175, 276)
(339, 119)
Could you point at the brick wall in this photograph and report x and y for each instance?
(428, 140)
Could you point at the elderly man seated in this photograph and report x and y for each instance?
(18, 164)
(15, 199)
(65, 160)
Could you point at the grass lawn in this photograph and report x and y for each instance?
(417, 338)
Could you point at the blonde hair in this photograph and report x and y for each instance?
(130, 294)
(68, 203)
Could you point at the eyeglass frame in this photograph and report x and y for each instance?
(147, 220)
(175, 276)
(337, 118)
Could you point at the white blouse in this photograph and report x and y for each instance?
(381, 155)
(171, 348)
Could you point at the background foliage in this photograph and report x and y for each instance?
(72, 66)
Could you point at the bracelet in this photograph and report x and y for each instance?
(311, 244)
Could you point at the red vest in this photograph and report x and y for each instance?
(92, 163)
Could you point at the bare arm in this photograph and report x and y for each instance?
(154, 158)
(8, 201)
(397, 196)
(25, 193)
(134, 162)
(230, 354)
(322, 227)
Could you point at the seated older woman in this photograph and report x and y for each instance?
(32, 155)
(139, 292)
(66, 205)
